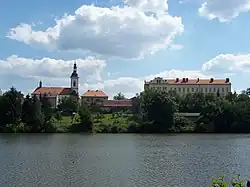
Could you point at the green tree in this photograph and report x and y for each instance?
(32, 115)
(86, 122)
(119, 96)
(157, 111)
(48, 113)
(247, 91)
(68, 105)
(11, 109)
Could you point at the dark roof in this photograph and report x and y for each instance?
(74, 74)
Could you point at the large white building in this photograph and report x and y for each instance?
(185, 85)
(55, 94)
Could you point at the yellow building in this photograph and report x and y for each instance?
(185, 85)
(96, 97)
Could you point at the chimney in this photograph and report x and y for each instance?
(198, 80)
(177, 80)
(40, 84)
(211, 80)
(227, 80)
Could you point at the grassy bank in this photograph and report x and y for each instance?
(111, 123)
(101, 123)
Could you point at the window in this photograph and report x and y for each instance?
(192, 89)
(210, 90)
(74, 83)
(183, 90)
(179, 89)
(222, 89)
(214, 89)
(187, 89)
(205, 89)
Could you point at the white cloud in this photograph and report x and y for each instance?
(228, 63)
(54, 69)
(58, 72)
(176, 46)
(223, 10)
(138, 28)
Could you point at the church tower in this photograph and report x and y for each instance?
(74, 79)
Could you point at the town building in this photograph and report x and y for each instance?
(1, 93)
(118, 104)
(94, 97)
(55, 94)
(98, 97)
(186, 85)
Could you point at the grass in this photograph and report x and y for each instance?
(64, 124)
(101, 123)
(111, 123)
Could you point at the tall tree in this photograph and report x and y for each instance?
(68, 105)
(46, 110)
(86, 122)
(32, 115)
(119, 96)
(12, 100)
(158, 109)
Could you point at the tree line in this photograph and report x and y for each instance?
(32, 114)
(152, 111)
(159, 111)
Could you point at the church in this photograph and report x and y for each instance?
(55, 94)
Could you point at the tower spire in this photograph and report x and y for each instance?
(74, 78)
(75, 67)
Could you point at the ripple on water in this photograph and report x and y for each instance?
(121, 160)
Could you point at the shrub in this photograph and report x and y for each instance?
(220, 182)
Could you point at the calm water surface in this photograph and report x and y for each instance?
(121, 160)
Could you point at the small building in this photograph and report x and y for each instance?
(94, 97)
(127, 103)
(118, 105)
(186, 85)
(55, 94)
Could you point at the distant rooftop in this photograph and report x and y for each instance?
(187, 81)
(94, 93)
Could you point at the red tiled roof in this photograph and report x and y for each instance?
(117, 103)
(52, 91)
(187, 81)
(94, 93)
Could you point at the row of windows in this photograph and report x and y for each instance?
(187, 90)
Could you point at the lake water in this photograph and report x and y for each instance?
(121, 160)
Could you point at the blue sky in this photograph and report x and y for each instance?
(119, 44)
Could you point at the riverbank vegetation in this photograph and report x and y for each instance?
(238, 182)
(152, 111)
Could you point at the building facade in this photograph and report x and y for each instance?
(185, 85)
(94, 97)
(55, 94)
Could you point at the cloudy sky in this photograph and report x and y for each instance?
(120, 43)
